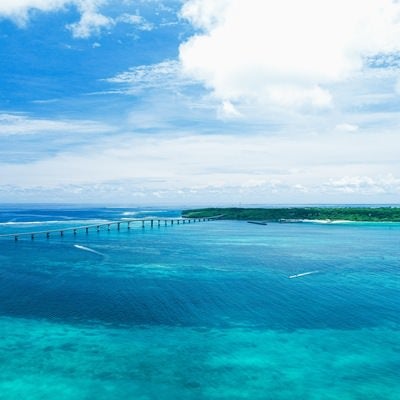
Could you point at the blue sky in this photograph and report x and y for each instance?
(197, 102)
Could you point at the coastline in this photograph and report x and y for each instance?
(323, 215)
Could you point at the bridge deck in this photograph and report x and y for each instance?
(75, 229)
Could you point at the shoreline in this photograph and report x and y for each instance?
(323, 215)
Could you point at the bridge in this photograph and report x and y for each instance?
(98, 227)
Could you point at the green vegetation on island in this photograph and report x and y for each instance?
(293, 214)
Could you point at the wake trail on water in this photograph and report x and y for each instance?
(84, 248)
(303, 274)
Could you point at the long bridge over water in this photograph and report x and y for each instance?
(98, 227)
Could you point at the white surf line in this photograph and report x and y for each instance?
(303, 274)
(78, 246)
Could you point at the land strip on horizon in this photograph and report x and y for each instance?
(294, 214)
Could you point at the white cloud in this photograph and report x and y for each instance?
(20, 124)
(136, 20)
(228, 111)
(257, 164)
(91, 21)
(211, 169)
(19, 10)
(345, 127)
(166, 74)
(365, 185)
(286, 52)
(148, 73)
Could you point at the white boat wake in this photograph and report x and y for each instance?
(78, 246)
(303, 274)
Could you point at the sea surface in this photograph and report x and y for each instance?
(210, 310)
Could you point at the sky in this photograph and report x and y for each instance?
(200, 102)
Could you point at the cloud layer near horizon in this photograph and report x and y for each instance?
(286, 52)
(281, 165)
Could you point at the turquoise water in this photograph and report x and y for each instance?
(199, 311)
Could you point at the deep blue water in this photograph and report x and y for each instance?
(200, 311)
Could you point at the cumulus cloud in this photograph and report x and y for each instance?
(18, 10)
(91, 21)
(286, 52)
(365, 185)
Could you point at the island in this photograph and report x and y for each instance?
(299, 214)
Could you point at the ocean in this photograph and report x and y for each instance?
(210, 310)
